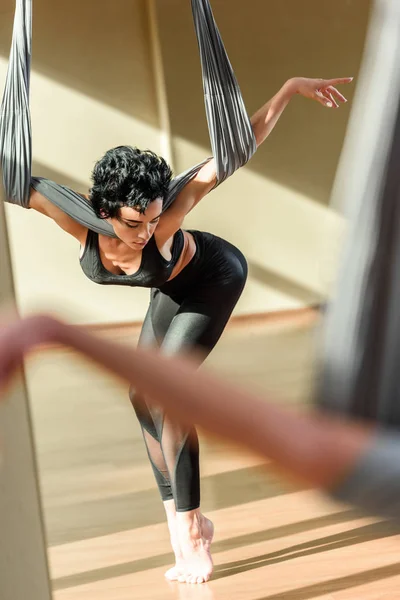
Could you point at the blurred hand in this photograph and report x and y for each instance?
(17, 338)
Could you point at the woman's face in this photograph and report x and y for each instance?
(135, 229)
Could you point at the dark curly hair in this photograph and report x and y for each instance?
(127, 176)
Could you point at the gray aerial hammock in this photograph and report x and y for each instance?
(232, 139)
(360, 373)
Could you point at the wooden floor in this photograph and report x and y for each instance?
(106, 532)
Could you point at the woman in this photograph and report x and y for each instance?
(196, 280)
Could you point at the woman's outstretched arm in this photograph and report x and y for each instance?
(321, 90)
(263, 122)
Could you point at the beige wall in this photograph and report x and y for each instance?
(93, 87)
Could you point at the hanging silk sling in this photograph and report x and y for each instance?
(232, 139)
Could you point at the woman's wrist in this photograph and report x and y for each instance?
(291, 86)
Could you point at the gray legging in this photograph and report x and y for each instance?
(189, 312)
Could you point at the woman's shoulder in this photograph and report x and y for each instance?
(41, 204)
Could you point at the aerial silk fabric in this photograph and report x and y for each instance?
(360, 366)
(232, 139)
(15, 124)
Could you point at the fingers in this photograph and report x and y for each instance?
(336, 94)
(329, 96)
(339, 81)
(323, 99)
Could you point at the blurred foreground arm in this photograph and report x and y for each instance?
(319, 450)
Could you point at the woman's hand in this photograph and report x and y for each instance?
(20, 337)
(322, 90)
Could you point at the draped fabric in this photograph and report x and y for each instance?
(232, 139)
(15, 123)
(231, 134)
(360, 371)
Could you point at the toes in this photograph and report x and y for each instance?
(171, 574)
(195, 579)
(174, 573)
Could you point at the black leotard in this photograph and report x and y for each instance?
(189, 311)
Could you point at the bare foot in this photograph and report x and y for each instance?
(178, 569)
(195, 536)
